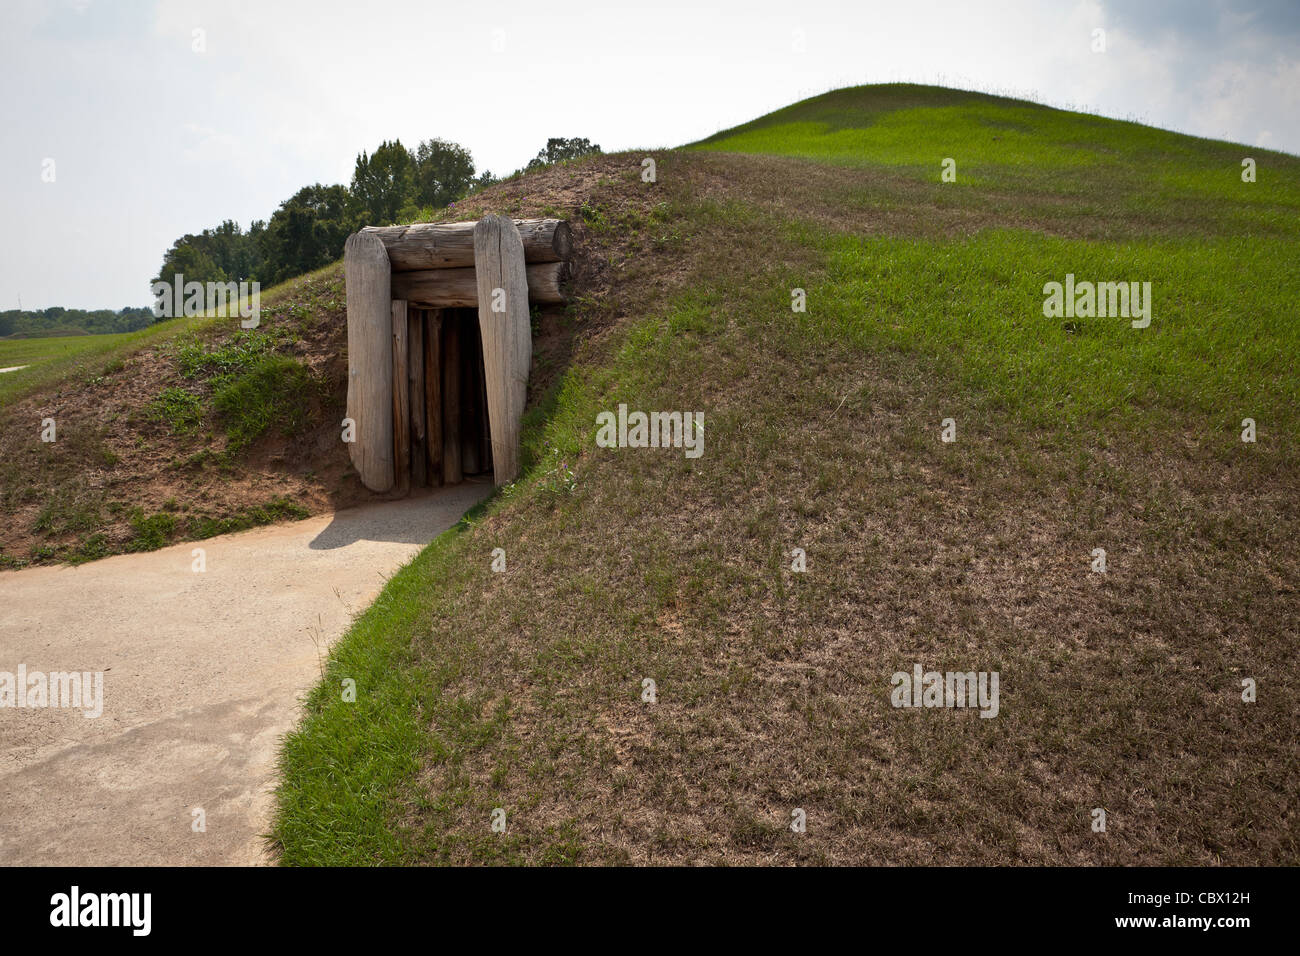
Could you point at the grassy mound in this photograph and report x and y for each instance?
(524, 690)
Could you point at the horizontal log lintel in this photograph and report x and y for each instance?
(450, 245)
(458, 288)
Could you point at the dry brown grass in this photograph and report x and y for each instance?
(112, 456)
(1119, 691)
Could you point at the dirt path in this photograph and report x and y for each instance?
(202, 676)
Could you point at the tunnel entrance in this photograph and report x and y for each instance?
(439, 331)
(450, 431)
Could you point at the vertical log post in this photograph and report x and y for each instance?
(415, 393)
(506, 333)
(471, 360)
(368, 279)
(484, 422)
(401, 401)
(451, 469)
(433, 394)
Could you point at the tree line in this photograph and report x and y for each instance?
(57, 320)
(393, 184)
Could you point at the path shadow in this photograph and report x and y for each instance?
(417, 519)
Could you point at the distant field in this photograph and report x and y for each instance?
(52, 358)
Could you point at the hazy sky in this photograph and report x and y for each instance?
(152, 138)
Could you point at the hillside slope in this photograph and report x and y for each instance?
(190, 428)
(1122, 691)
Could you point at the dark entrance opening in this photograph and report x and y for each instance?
(450, 439)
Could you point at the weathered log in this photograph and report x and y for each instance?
(415, 395)
(484, 421)
(367, 276)
(433, 394)
(507, 336)
(471, 364)
(401, 401)
(458, 288)
(451, 359)
(450, 245)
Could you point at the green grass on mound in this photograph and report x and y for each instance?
(1091, 164)
(1221, 343)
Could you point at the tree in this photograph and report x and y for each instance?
(383, 183)
(305, 233)
(559, 149)
(308, 230)
(444, 172)
(236, 253)
(223, 254)
(189, 257)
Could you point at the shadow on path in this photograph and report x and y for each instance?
(414, 520)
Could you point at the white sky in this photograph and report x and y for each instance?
(152, 140)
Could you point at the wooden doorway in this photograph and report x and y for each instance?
(448, 434)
